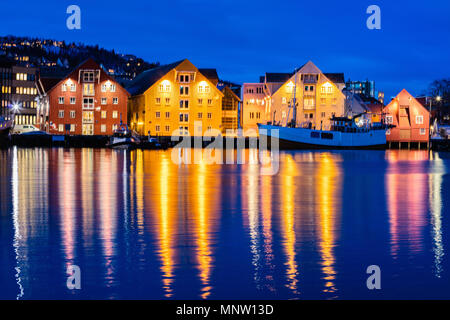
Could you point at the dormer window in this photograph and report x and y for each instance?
(88, 76)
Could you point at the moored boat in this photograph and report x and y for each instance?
(123, 138)
(5, 127)
(345, 133)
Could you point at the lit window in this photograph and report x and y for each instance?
(64, 87)
(72, 128)
(103, 88)
(73, 87)
(103, 128)
(419, 119)
(88, 89)
(112, 88)
(165, 86)
(61, 128)
(72, 114)
(103, 114)
(389, 119)
(115, 114)
(61, 114)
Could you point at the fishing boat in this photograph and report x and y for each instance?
(345, 133)
(123, 138)
(5, 127)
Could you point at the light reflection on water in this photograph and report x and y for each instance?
(141, 226)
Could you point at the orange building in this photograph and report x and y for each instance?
(86, 102)
(410, 118)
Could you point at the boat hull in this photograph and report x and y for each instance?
(300, 138)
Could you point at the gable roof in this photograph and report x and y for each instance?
(335, 77)
(73, 73)
(277, 76)
(148, 78)
(210, 74)
(223, 88)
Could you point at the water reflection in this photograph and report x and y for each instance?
(407, 190)
(328, 184)
(288, 194)
(141, 226)
(437, 170)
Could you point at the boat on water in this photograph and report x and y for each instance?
(5, 127)
(345, 133)
(123, 138)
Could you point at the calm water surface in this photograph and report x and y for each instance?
(141, 227)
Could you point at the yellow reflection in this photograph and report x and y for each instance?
(87, 194)
(165, 222)
(327, 180)
(202, 212)
(287, 221)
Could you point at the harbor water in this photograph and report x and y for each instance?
(140, 226)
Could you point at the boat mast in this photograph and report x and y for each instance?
(292, 104)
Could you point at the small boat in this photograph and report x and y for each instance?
(5, 127)
(345, 133)
(123, 138)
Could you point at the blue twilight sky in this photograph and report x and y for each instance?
(243, 39)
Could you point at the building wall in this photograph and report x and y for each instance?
(157, 116)
(317, 105)
(18, 88)
(230, 107)
(254, 107)
(410, 118)
(99, 118)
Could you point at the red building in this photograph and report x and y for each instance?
(410, 118)
(86, 102)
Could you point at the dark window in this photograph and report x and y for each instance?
(315, 134)
(327, 135)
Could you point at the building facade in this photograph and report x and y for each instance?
(318, 96)
(18, 92)
(175, 99)
(410, 119)
(86, 102)
(230, 111)
(315, 96)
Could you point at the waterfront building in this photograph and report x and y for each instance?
(18, 92)
(365, 88)
(230, 110)
(87, 101)
(176, 97)
(410, 118)
(358, 103)
(316, 96)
